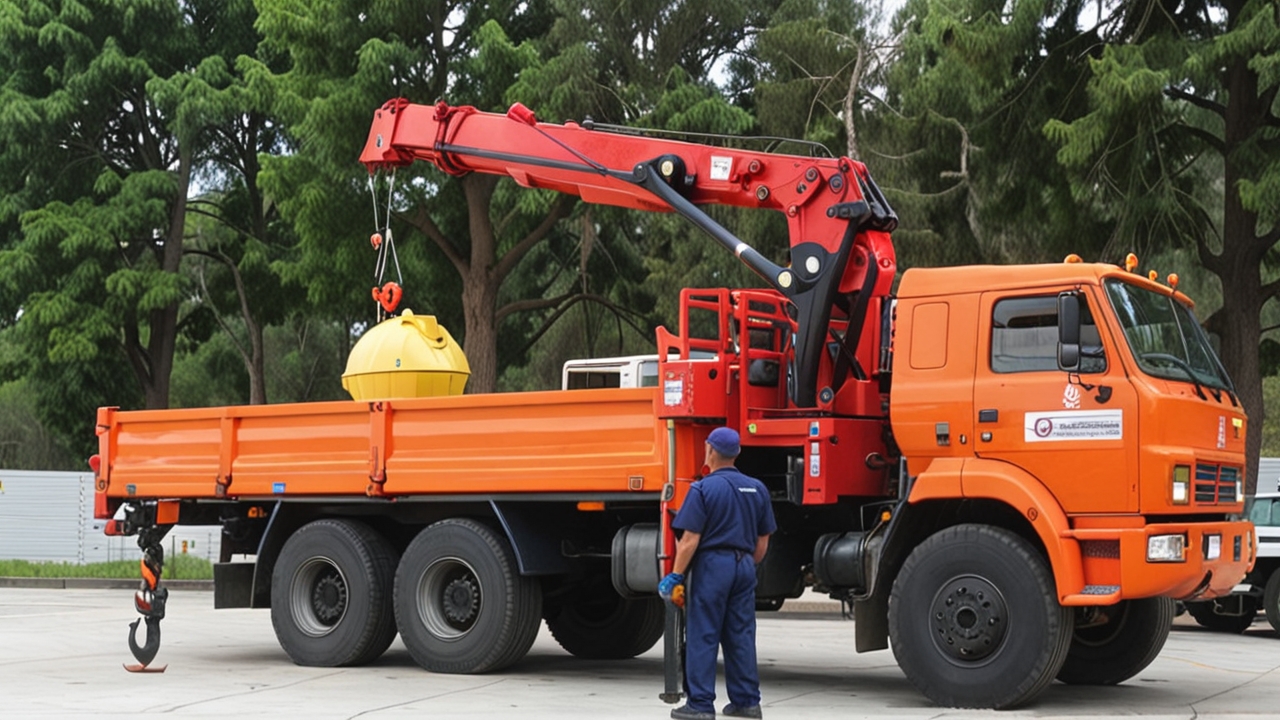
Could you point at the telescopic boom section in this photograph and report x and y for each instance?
(838, 222)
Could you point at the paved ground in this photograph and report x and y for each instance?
(61, 653)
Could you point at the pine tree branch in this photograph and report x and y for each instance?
(568, 302)
(1270, 290)
(421, 220)
(219, 257)
(528, 304)
(1177, 94)
(561, 208)
(1207, 137)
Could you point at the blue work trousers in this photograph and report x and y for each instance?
(722, 612)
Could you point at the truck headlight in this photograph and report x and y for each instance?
(1181, 490)
(1240, 491)
(1166, 548)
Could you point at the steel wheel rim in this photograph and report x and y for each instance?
(968, 618)
(450, 598)
(318, 596)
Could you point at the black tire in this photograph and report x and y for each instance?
(974, 619)
(460, 601)
(331, 594)
(1112, 644)
(605, 626)
(769, 604)
(1235, 624)
(1271, 600)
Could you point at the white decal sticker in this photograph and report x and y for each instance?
(1222, 432)
(1071, 397)
(673, 393)
(1077, 425)
(720, 167)
(815, 460)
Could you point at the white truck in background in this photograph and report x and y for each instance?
(631, 371)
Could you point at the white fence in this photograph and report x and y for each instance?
(48, 516)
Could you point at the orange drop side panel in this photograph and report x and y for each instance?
(545, 442)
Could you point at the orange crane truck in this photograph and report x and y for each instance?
(1009, 472)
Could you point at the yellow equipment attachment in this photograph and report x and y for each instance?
(407, 356)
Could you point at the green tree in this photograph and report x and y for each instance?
(1182, 95)
(108, 109)
(976, 180)
(346, 60)
(648, 66)
(234, 232)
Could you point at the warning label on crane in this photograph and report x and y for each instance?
(673, 393)
(1077, 425)
(721, 167)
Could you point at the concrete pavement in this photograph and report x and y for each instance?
(61, 653)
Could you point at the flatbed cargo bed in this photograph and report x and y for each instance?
(581, 442)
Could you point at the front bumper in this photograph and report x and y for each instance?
(1115, 565)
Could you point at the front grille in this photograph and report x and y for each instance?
(1215, 484)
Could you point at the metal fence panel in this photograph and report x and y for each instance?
(48, 516)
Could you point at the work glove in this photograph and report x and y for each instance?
(671, 589)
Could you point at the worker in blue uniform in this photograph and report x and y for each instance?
(726, 520)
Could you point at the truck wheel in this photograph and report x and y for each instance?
(460, 601)
(1112, 644)
(1234, 624)
(605, 626)
(974, 619)
(1271, 600)
(331, 594)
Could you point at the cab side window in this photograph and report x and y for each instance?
(1024, 336)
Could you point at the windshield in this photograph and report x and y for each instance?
(1164, 336)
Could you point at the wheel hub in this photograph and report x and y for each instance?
(969, 619)
(329, 598)
(461, 600)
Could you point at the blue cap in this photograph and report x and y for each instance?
(725, 441)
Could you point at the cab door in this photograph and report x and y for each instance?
(1076, 432)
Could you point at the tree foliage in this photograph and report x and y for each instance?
(183, 219)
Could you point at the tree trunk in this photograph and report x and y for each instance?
(163, 323)
(1242, 254)
(480, 287)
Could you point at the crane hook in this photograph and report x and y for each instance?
(147, 652)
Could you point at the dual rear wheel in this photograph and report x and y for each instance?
(456, 596)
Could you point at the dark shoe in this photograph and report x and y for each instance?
(747, 712)
(684, 713)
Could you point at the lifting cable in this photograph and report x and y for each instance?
(388, 294)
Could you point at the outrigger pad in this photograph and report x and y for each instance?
(144, 669)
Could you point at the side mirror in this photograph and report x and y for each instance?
(1069, 331)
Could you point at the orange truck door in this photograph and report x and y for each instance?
(1080, 441)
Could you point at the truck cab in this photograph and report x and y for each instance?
(1122, 423)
